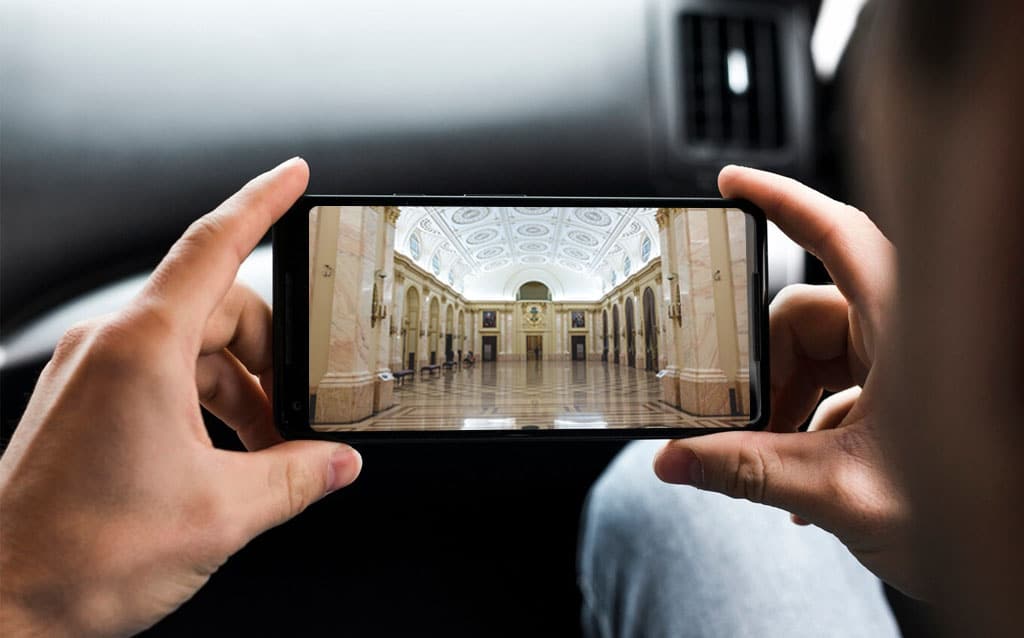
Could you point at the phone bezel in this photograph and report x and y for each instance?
(291, 337)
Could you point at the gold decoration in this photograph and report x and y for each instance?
(662, 217)
(391, 214)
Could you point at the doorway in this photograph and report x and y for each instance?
(449, 355)
(534, 347)
(579, 348)
(650, 332)
(630, 334)
(490, 348)
(615, 333)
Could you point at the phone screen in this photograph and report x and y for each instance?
(435, 318)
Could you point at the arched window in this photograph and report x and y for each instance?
(435, 264)
(614, 277)
(533, 291)
(627, 266)
(414, 245)
(645, 249)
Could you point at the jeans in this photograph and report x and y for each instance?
(669, 560)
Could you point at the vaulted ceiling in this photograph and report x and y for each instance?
(486, 253)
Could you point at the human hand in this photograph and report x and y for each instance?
(115, 505)
(822, 337)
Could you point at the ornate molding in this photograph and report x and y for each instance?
(391, 214)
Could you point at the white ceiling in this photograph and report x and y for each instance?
(486, 253)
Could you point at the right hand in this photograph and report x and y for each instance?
(833, 338)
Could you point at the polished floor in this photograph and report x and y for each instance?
(532, 394)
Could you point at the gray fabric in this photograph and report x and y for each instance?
(667, 560)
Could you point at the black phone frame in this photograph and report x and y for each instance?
(290, 237)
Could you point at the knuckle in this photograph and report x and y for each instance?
(294, 483)
(750, 473)
(123, 342)
(856, 490)
(858, 481)
(75, 337)
(206, 228)
(791, 297)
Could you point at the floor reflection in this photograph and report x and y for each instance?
(532, 394)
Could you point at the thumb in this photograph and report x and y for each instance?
(785, 470)
(281, 481)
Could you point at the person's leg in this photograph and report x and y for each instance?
(668, 560)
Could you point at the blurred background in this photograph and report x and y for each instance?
(120, 122)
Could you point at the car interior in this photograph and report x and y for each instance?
(123, 122)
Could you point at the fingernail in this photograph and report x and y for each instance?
(288, 161)
(343, 468)
(680, 466)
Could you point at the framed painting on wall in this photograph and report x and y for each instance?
(490, 318)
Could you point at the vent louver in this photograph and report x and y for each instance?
(732, 93)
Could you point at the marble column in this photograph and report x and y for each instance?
(507, 349)
(556, 353)
(423, 330)
(703, 385)
(345, 393)
(672, 335)
(397, 311)
(383, 397)
(737, 227)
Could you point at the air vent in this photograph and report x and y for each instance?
(732, 93)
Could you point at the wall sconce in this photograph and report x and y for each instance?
(675, 311)
(379, 312)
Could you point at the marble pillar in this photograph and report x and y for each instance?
(737, 227)
(703, 385)
(345, 393)
(383, 392)
(397, 311)
(423, 330)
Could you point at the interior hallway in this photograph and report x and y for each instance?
(524, 394)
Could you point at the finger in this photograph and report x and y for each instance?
(243, 324)
(833, 410)
(273, 485)
(855, 252)
(809, 351)
(234, 396)
(201, 266)
(785, 470)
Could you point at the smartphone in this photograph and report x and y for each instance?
(476, 317)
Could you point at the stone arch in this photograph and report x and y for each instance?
(545, 277)
(533, 291)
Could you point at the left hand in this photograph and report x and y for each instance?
(115, 505)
